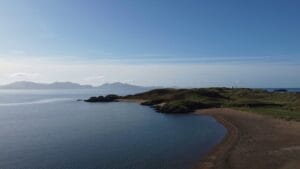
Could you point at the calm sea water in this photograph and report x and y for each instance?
(288, 89)
(50, 129)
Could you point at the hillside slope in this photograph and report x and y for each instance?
(276, 104)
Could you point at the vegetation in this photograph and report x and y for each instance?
(108, 98)
(277, 104)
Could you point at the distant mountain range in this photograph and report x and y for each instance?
(33, 85)
(114, 87)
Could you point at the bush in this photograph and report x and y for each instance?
(108, 98)
(152, 102)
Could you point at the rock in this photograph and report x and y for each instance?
(280, 90)
(108, 98)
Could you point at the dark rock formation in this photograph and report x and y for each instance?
(280, 90)
(108, 98)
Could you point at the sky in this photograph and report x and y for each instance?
(191, 43)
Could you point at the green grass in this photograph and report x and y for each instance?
(275, 112)
(279, 105)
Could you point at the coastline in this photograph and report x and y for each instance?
(217, 156)
(139, 101)
(252, 141)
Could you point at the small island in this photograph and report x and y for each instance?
(280, 90)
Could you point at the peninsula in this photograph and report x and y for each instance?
(263, 127)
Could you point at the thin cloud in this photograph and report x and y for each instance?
(193, 60)
(93, 78)
(23, 75)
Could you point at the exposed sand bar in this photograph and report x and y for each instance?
(253, 142)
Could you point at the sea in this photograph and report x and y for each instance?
(290, 90)
(50, 129)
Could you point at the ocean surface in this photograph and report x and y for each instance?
(50, 129)
(293, 90)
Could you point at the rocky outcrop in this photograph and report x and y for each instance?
(108, 98)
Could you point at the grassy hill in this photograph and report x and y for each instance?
(279, 105)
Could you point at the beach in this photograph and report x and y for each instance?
(253, 142)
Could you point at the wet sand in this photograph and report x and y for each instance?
(253, 142)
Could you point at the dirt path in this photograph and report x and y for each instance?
(253, 142)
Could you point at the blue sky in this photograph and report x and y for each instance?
(258, 38)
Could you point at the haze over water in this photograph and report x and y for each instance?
(47, 129)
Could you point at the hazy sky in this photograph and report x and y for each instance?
(186, 43)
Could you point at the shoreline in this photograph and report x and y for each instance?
(139, 101)
(253, 141)
(216, 156)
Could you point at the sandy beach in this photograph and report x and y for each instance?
(253, 142)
